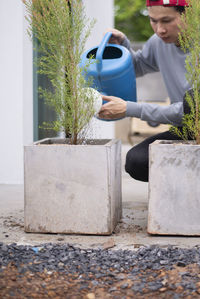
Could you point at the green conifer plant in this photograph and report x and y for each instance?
(189, 39)
(62, 28)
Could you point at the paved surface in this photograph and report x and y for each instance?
(129, 234)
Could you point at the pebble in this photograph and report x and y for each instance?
(154, 286)
(95, 283)
(112, 289)
(181, 264)
(102, 263)
(4, 248)
(124, 286)
(163, 262)
(137, 288)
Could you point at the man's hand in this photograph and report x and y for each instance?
(114, 109)
(117, 36)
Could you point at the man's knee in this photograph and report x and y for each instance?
(136, 165)
(129, 163)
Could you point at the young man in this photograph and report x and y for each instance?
(160, 53)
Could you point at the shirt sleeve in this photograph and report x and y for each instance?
(144, 60)
(171, 114)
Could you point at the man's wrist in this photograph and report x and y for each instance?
(133, 109)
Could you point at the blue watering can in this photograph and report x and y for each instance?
(113, 74)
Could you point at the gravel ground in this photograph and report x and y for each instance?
(64, 271)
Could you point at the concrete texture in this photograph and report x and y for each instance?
(72, 188)
(130, 233)
(174, 189)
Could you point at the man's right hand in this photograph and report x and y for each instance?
(114, 108)
(117, 36)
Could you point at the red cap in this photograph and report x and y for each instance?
(167, 2)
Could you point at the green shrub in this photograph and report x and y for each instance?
(189, 39)
(62, 28)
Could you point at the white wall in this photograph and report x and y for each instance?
(103, 12)
(11, 91)
(12, 125)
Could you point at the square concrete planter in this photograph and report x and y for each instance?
(72, 188)
(174, 188)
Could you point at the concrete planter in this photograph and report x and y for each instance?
(174, 188)
(72, 188)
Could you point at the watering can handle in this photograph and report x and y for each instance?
(101, 49)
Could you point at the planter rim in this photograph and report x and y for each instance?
(57, 141)
(72, 189)
(175, 143)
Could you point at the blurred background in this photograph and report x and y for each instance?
(131, 17)
(21, 110)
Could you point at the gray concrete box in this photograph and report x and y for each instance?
(174, 188)
(72, 188)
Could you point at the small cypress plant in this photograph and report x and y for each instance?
(62, 28)
(189, 39)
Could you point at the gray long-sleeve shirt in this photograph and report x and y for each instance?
(170, 61)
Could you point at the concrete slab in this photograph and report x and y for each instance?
(174, 200)
(72, 189)
(130, 233)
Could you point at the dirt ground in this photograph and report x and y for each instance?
(15, 284)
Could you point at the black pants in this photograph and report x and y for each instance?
(137, 159)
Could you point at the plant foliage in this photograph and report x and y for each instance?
(189, 39)
(61, 27)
